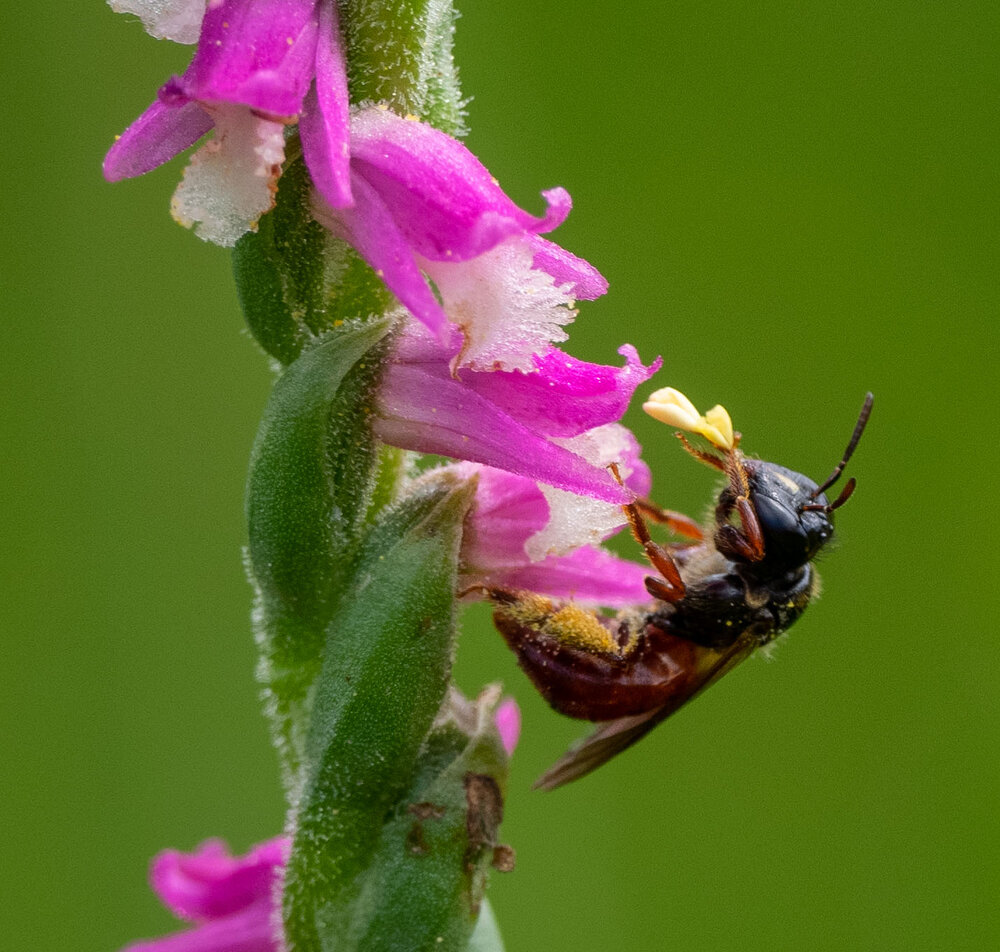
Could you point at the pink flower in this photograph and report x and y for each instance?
(424, 205)
(231, 900)
(260, 65)
(477, 377)
(508, 721)
(531, 424)
(519, 534)
(414, 202)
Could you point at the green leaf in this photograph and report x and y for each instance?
(425, 887)
(385, 671)
(312, 470)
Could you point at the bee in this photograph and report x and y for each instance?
(725, 591)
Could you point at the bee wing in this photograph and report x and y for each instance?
(604, 743)
(612, 738)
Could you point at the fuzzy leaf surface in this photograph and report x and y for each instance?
(425, 887)
(385, 670)
(312, 470)
(400, 52)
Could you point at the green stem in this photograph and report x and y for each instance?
(395, 796)
(399, 52)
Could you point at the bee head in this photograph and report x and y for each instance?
(768, 517)
(794, 518)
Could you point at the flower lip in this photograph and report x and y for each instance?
(519, 534)
(508, 420)
(257, 61)
(177, 20)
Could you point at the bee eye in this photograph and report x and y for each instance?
(793, 528)
(775, 517)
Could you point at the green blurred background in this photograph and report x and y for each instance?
(794, 203)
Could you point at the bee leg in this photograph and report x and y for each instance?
(669, 588)
(747, 542)
(675, 521)
(662, 590)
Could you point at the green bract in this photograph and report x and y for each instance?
(358, 877)
(311, 472)
(395, 799)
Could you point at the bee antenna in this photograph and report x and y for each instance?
(845, 494)
(859, 428)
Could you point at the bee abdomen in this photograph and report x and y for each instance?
(575, 659)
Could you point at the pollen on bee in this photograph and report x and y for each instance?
(568, 624)
(582, 629)
(670, 406)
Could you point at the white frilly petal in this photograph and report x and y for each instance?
(507, 310)
(232, 178)
(579, 520)
(177, 20)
